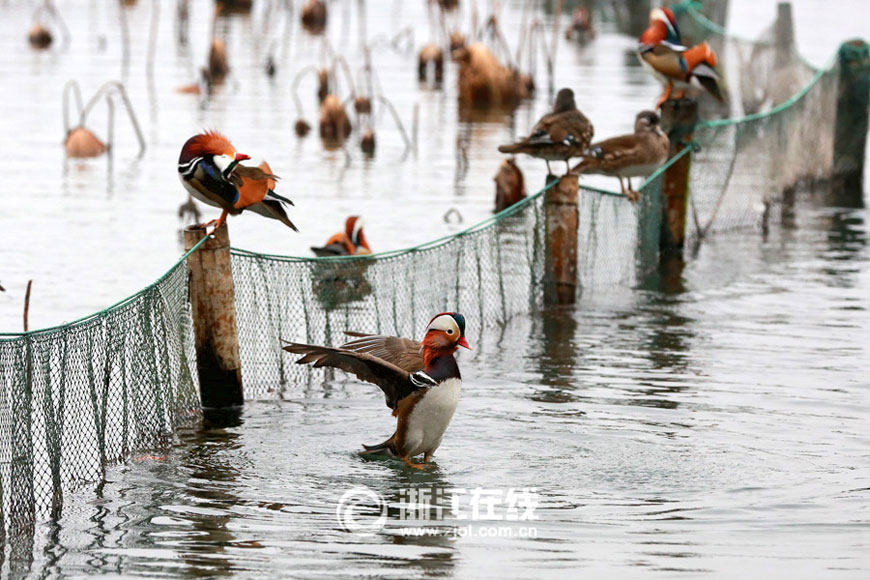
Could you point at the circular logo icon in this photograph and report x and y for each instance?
(361, 510)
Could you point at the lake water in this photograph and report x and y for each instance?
(713, 424)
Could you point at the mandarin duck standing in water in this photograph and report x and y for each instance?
(210, 171)
(351, 242)
(421, 381)
(634, 155)
(558, 136)
(661, 51)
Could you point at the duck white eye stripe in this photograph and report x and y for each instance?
(189, 167)
(422, 380)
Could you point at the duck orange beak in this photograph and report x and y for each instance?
(242, 156)
(463, 343)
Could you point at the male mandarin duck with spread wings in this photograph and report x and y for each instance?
(661, 51)
(558, 136)
(210, 170)
(420, 381)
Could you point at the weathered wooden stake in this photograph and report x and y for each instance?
(784, 49)
(679, 117)
(560, 275)
(850, 130)
(212, 300)
(638, 16)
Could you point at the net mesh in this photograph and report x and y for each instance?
(782, 131)
(78, 397)
(763, 72)
(744, 170)
(490, 273)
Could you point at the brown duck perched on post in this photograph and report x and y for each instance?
(558, 136)
(420, 380)
(634, 155)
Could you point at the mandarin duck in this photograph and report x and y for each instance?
(558, 136)
(422, 389)
(581, 26)
(210, 171)
(634, 155)
(352, 241)
(661, 51)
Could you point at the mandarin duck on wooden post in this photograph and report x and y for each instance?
(661, 51)
(558, 136)
(351, 242)
(635, 155)
(420, 380)
(210, 170)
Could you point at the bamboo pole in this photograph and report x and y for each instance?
(27, 304)
(212, 300)
(560, 274)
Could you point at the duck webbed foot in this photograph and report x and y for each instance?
(410, 463)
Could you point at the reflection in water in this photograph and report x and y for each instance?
(670, 274)
(432, 481)
(558, 356)
(20, 539)
(208, 456)
(846, 230)
(100, 531)
(670, 331)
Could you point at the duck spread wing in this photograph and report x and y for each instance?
(396, 383)
(405, 353)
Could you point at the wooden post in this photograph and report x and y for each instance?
(784, 50)
(637, 12)
(560, 274)
(678, 120)
(212, 300)
(850, 129)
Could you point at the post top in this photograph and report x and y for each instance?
(194, 233)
